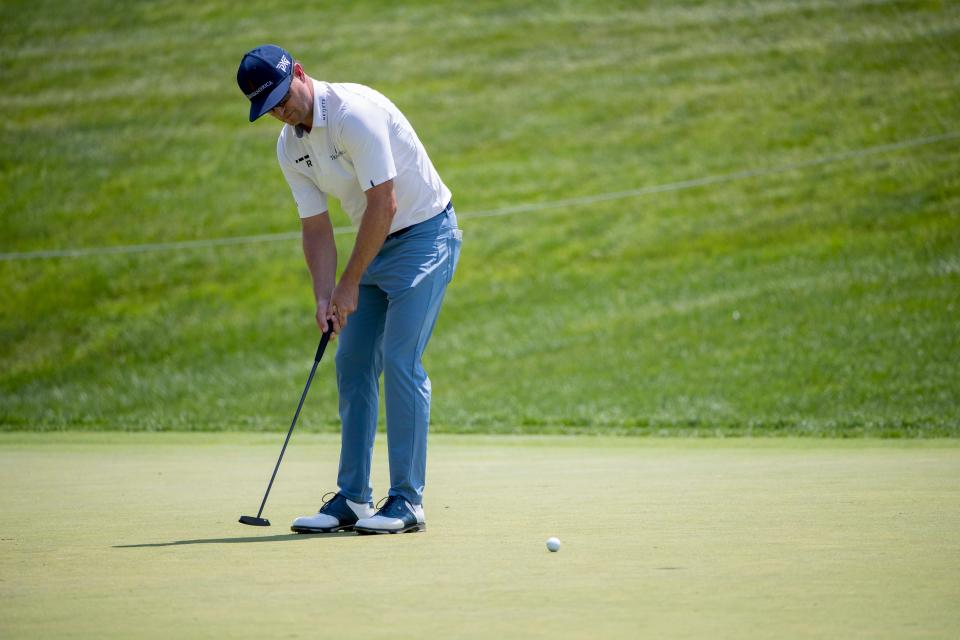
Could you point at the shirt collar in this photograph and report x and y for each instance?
(319, 108)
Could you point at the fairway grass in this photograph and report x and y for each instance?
(135, 535)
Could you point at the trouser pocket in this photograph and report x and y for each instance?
(453, 252)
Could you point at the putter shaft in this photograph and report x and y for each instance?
(316, 361)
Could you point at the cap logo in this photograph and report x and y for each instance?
(251, 96)
(284, 64)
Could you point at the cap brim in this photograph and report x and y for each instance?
(259, 107)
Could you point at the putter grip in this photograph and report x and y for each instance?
(324, 339)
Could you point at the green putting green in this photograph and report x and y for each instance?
(136, 535)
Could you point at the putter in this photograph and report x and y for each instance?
(263, 522)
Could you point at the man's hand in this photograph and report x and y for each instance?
(322, 315)
(343, 302)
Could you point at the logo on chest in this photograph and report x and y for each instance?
(336, 153)
(306, 159)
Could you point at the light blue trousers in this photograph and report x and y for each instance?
(400, 297)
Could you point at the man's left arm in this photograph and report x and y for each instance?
(364, 133)
(374, 228)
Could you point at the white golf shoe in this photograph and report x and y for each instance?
(337, 514)
(395, 516)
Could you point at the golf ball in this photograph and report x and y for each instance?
(553, 544)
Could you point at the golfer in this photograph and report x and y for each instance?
(350, 142)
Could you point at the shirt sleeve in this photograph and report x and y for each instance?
(311, 201)
(365, 135)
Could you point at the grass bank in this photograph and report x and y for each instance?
(812, 290)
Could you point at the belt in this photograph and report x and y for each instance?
(400, 232)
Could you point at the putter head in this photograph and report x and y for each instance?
(254, 522)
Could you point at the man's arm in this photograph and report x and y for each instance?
(374, 227)
(320, 251)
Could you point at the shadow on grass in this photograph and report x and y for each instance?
(277, 538)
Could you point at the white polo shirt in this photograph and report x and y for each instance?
(359, 139)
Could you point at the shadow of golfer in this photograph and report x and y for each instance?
(276, 538)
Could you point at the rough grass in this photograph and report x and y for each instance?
(821, 300)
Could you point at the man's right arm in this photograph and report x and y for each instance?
(320, 251)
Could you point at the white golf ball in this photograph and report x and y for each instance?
(553, 544)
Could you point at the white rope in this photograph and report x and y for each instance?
(699, 182)
(523, 208)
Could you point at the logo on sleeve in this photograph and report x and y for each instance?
(306, 159)
(336, 153)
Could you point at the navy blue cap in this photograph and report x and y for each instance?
(264, 77)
